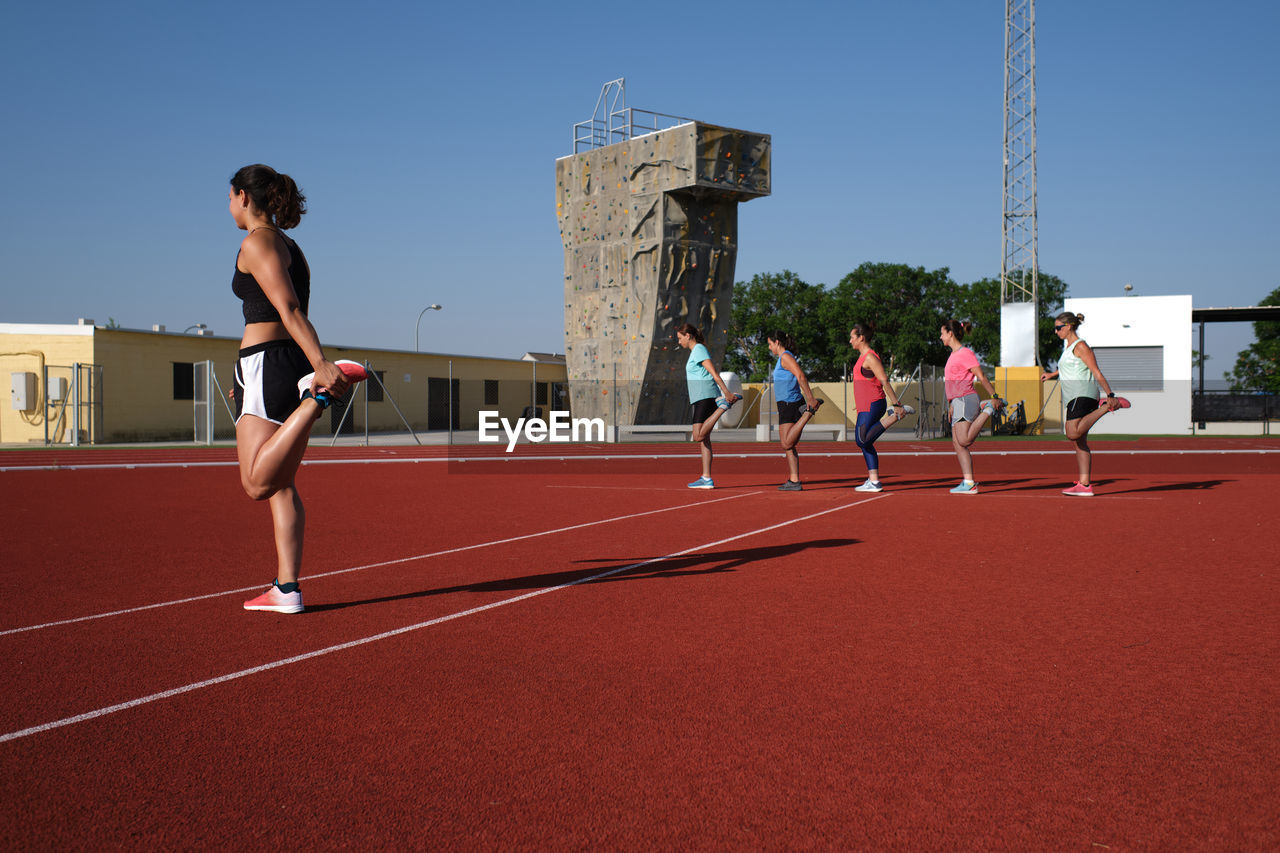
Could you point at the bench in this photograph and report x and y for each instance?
(620, 432)
(832, 432)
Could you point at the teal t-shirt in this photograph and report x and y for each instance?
(701, 385)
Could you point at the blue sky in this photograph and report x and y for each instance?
(425, 137)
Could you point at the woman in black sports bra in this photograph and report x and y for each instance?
(282, 379)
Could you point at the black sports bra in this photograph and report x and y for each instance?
(257, 307)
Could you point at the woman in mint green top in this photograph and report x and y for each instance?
(704, 384)
(1080, 377)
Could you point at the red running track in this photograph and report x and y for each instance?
(569, 654)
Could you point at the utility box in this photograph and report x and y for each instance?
(22, 392)
(57, 389)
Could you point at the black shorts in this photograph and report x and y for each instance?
(1081, 406)
(266, 377)
(789, 413)
(703, 409)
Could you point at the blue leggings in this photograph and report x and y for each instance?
(867, 430)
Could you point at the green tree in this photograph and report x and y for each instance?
(907, 305)
(772, 302)
(979, 303)
(1258, 366)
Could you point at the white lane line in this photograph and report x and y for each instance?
(397, 561)
(199, 685)
(623, 488)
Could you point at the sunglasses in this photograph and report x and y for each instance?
(1059, 328)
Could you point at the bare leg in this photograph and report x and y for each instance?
(269, 459)
(1084, 459)
(1078, 432)
(706, 456)
(963, 435)
(703, 429)
(270, 454)
(1083, 425)
(290, 519)
(790, 437)
(962, 454)
(967, 432)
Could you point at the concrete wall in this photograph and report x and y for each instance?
(1144, 321)
(649, 228)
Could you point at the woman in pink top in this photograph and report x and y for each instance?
(870, 390)
(966, 419)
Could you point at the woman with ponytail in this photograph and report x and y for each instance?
(962, 401)
(1080, 378)
(871, 388)
(282, 379)
(704, 382)
(795, 401)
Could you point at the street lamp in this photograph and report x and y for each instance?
(419, 323)
(198, 326)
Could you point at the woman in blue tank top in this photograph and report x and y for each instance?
(796, 404)
(1080, 379)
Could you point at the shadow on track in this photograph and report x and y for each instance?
(1171, 487)
(686, 564)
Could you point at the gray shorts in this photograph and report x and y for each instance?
(964, 408)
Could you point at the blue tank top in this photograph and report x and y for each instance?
(786, 388)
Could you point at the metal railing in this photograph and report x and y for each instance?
(613, 121)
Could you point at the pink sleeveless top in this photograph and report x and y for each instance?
(866, 388)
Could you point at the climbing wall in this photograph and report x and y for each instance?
(650, 234)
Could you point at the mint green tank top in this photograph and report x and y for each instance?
(1076, 378)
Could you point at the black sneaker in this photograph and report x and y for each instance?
(791, 486)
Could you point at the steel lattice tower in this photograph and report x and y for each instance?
(1019, 269)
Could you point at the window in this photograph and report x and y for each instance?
(491, 392)
(1132, 368)
(375, 388)
(184, 380)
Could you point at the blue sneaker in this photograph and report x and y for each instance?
(703, 483)
(726, 403)
(965, 489)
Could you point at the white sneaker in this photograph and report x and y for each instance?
(869, 486)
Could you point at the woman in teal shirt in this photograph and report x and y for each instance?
(704, 383)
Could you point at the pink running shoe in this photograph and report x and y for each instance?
(352, 370)
(1120, 401)
(276, 601)
(1079, 490)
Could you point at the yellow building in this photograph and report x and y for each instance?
(90, 384)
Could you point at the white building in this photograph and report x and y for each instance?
(1143, 346)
